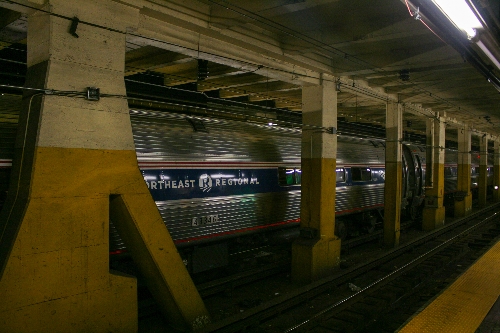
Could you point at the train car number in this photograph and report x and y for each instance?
(202, 220)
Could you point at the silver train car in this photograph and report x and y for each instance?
(223, 185)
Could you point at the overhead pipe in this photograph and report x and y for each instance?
(447, 31)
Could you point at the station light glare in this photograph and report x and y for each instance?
(220, 175)
(459, 12)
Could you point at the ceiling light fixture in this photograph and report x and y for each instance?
(488, 53)
(459, 12)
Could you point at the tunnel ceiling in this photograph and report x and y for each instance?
(376, 43)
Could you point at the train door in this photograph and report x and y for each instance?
(411, 174)
(404, 171)
(418, 176)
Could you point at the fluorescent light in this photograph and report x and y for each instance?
(488, 53)
(459, 12)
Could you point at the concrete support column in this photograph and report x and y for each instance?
(393, 174)
(74, 168)
(430, 149)
(496, 172)
(463, 197)
(434, 211)
(483, 171)
(317, 251)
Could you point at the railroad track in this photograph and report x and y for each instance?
(267, 267)
(354, 299)
(277, 267)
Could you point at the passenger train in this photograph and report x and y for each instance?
(221, 185)
(224, 185)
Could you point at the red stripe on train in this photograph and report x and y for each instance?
(232, 232)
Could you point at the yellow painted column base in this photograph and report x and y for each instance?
(391, 238)
(482, 200)
(110, 309)
(136, 218)
(464, 207)
(392, 203)
(433, 218)
(496, 195)
(313, 259)
(57, 278)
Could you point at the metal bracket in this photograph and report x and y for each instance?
(74, 26)
(93, 94)
(331, 130)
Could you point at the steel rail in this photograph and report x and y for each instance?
(276, 306)
(398, 272)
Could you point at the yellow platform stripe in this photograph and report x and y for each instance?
(465, 304)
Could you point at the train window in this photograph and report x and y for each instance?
(289, 176)
(285, 176)
(361, 174)
(474, 171)
(450, 171)
(298, 176)
(340, 175)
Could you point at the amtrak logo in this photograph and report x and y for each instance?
(205, 183)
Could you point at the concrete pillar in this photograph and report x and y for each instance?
(74, 166)
(430, 148)
(317, 251)
(463, 197)
(496, 172)
(393, 173)
(433, 215)
(483, 171)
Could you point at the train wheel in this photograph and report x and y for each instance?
(340, 230)
(370, 224)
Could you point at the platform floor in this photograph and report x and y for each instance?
(469, 305)
(491, 323)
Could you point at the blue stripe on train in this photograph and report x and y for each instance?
(175, 184)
